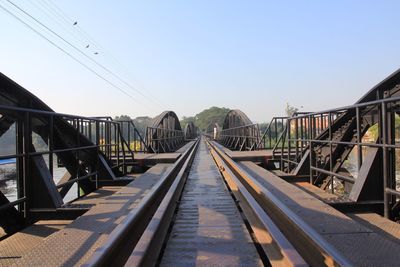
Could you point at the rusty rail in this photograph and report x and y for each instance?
(124, 238)
(303, 242)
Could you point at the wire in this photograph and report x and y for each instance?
(80, 51)
(46, 11)
(67, 53)
(98, 45)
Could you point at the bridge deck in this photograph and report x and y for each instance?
(258, 155)
(14, 247)
(360, 243)
(152, 159)
(185, 147)
(319, 193)
(208, 229)
(74, 244)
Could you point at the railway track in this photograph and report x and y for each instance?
(207, 210)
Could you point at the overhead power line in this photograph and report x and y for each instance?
(87, 36)
(80, 51)
(67, 53)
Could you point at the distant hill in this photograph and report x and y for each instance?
(207, 116)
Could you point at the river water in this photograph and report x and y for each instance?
(8, 180)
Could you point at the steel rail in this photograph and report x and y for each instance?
(147, 250)
(279, 251)
(123, 239)
(311, 245)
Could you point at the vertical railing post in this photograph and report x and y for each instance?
(359, 148)
(19, 138)
(289, 143)
(297, 137)
(51, 145)
(330, 149)
(26, 161)
(385, 161)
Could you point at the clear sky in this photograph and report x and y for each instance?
(191, 55)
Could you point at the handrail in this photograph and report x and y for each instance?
(268, 130)
(89, 141)
(354, 106)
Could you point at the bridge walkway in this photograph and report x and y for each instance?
(364, 243)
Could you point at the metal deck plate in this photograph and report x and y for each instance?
(12, 248)
(258, 155)
(152, 159)
(74, 244)
(319, 193)
(362, 245)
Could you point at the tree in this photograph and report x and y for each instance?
(211, 115)
(186, 120)
(290, 110)
(123, 118)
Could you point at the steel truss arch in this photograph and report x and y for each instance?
(164, 133)
(238, 132)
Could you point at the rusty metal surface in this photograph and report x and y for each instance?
(319, 193)
(275, 247)
(123, 239)
(95, 197)
(148, 248)
(257, 155)
(75, 244)
(12, 248)
(185, 147)
(152, 159)
(362, 245)
(379, 224)
(208, 230)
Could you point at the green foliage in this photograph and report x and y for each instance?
(122, 118)
(263, 126)
(204, 118)
(186, 120)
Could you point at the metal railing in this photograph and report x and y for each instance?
(292, 144)
(133, 137)
(331, 136)
(74, 142)
(240, 138)
(160, 140)
(272, 134)
(130, 134)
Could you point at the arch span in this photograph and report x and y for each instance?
(235, 118)
(238, 132)
(167, 120)
(190, 131)
(164, 133)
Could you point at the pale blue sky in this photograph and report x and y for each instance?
(251, 55)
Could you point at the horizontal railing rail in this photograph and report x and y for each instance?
(40, 134)
(331, 136)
